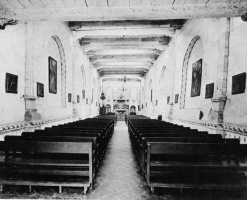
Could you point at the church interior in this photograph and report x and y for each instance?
(103, 90)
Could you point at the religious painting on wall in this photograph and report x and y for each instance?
(78, 99)
(11, 83)
(83, 94)
(168, 99)
(176, 98)
(209, 90)
(40, 89)
(69, 97)
(52, 75)
(196, 78)
(238, 83)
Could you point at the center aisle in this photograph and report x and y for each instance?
(118, 177)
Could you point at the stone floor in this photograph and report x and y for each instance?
(119, 178)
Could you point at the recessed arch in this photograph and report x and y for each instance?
(185, 69)
(63, 69)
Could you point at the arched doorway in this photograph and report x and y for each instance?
(132, 110)
(108, 108)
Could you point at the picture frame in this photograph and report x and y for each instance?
(176, 98)
(40, 89)
(209, 91)
(52, 75)
(69, 97)
(11, 83)
(238, 83)
(78, 98)
(196, 78)
(83, 94)
(168, 99)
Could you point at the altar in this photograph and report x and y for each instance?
(121, 114)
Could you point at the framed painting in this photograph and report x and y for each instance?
(52, 75)
(11, 83)
(209, 90)
(238, 83)
(196, 78)
(69, 97)
(168, 99)
(40, 89)
(78, 99)
(176, 98)
(83, 94)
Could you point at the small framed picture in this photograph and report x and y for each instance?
(69, 97)
(83, 94)
(168, 99)
(176, 98)
(78, 99)
(40, 89)
(52, 75)
(238, 83)
(209, 90)
(11, 83)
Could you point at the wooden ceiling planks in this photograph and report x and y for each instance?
(113, 3)
(17, 4)
(6, 4)
(134, 2)
(26, 4)
(157, 2)
(123, 3)
(80, 3)
(47, 3)
(59, 3)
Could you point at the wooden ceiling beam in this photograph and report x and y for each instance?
(183, 11)
(113, 64)
(124, 57)
(123, 51)
(134, 67)
(88, 25)
(127, 32)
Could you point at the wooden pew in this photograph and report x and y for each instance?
(35, 163)
(194, 165)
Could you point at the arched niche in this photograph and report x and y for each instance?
(63, 69)
(185, 70)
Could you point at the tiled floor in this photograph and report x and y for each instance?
(119, 178)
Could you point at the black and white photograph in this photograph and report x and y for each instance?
(123, 99)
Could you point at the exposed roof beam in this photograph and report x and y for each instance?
(139, 67)
(148, 64)
(124, 57)
(124, 24)
(123, 51)
(184, 11)
(126, 31)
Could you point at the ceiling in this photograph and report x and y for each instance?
(121, 37)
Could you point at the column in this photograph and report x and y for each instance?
(31, 113)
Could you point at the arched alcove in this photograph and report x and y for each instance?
(63, 69)
(184, 71)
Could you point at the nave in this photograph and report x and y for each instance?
(119, 177)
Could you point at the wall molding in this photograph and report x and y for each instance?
(229, 127)
(22, 125)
